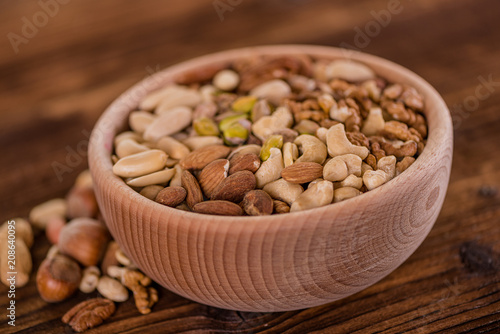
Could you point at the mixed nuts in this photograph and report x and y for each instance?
(82, 257)
(271, 134)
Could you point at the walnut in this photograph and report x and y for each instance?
(358, 138)
(89, 314)
(145, 297)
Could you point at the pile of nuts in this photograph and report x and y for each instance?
(82, 257)
(271, 135)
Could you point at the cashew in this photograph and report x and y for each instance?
(374, 122)
(365, 167)
(283, 190)
(319, 194)
(338, 168)
(321, 134)
(344, 193)
(352, 181)
(246, 149)
(335, 170)
(270, 170)
(195, 143)
(340, 114)
(128, 147)
(140, 120)
(373, 89)
(274, 91)
(313, 149)
(374, 179)
(306, 126)
(388, 165)
(174, 148)
(90, 278)
(267, 125)
(290, 154)
(112, 289)
(338, 144)
(348, 70)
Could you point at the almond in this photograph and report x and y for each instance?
(221, 208)
(241, 162)
(201, 157)
(257, 203)
(234, 187)
(171, 196)
(212, 175)
(302, 172)
(280, 207)
(194, 194)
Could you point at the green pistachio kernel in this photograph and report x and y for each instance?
(205, 126)
(273, 141)
(230, 120)
(244, 103)
(235, 134)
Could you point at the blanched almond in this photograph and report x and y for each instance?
(140, 163)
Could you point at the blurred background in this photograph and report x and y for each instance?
(62, 62)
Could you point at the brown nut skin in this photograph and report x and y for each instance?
(257, 203)
(109, 258)
(81, 202)
(53, 230)
(58, 278)
(235, 186)
(220, 208)
(85, 240)
(171, 196)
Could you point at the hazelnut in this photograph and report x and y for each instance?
(85, 240)
(81, 202)
(53, 229)
(58, 278)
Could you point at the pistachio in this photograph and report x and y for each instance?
(273, 141)
(205, 127)
(235, 134)
(244, 104)
(230, 120)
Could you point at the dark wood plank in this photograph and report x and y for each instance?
(56, 86)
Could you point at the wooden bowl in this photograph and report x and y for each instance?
(280, 262)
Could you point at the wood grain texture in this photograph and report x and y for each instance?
(56, 87)
(282, 262)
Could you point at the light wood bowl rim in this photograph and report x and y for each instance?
(101, 153)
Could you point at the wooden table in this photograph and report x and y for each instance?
(58, 77)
